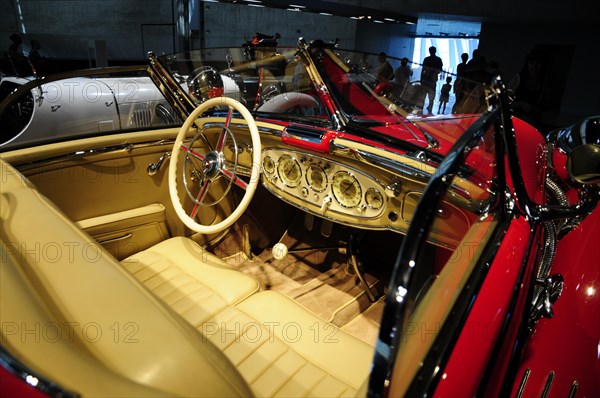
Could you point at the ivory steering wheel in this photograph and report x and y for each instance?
(207, 168)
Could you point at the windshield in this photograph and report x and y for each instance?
(265, 80)
(315, 84)
(327, 86)
(434, 283)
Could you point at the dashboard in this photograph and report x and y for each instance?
(353, 184)
(322, 185)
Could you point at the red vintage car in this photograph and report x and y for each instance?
(214, 224)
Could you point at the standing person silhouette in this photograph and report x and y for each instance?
(459, 84)
(432, 66)
(445, 94)
(530, 88)
(15, 47)
(365, 64)
(403, 73)
(385, 71)
(17, 61)
(36, 58)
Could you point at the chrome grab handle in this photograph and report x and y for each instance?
(116, 239)
(153, 168)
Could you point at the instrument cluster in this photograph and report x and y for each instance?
(315, 181)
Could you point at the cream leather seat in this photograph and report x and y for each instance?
(123, 339)
(279, 347)
(193, 282)
(74, 316)
(283, 350)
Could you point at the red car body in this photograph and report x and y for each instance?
(490, 345)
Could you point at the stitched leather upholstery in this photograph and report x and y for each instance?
(250, 343)
(192, 281)
(279, 347)
(283, 350)
(79, 319)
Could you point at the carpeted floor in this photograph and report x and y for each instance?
(320, 280)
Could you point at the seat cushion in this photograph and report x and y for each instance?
(192, 281)
(283, 350)
(80, 320)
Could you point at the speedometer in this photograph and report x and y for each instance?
(289, 171)
(346, 189)
(316, 178)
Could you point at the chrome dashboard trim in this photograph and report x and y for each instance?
(406, 171)
(261, 129)
(381, 162)
(307, 196)
(382, 227)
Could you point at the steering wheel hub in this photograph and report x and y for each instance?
(211, 166)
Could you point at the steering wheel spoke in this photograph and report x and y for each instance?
(233, 177)
(223, 136)
(206, 176)
(192, 152)
(200, 198)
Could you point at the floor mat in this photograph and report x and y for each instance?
(365, 326)
(319, 280)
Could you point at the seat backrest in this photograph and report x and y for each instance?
(69, 311)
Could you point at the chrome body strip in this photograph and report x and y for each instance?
(523, 383)
(573, 390)
(548, 385)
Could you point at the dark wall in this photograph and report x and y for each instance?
(395, 40)
(572, 84)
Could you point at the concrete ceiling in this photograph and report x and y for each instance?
(543, 11)
(501, 11)
(537, 11)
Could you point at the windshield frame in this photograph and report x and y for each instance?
(401, 288)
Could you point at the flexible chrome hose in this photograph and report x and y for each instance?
(551, 230)
(559, 197)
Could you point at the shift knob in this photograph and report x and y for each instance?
(279, 251)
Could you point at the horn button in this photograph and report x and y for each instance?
(212, 164)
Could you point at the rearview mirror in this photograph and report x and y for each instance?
(583, 164)
(586, 131)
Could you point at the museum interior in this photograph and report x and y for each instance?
(70, 35)
(251, 186)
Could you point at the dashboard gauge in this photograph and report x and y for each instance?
(268, 164)
(316, 178)
(289, 171)
(374, 198)
(346, 189)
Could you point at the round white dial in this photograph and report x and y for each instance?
(289, 171)
(374, 198)
(316, 178)
(346, 189)
(268, 164)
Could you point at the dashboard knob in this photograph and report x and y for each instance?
(326, 203)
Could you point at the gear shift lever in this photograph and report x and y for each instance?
(280, 250)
